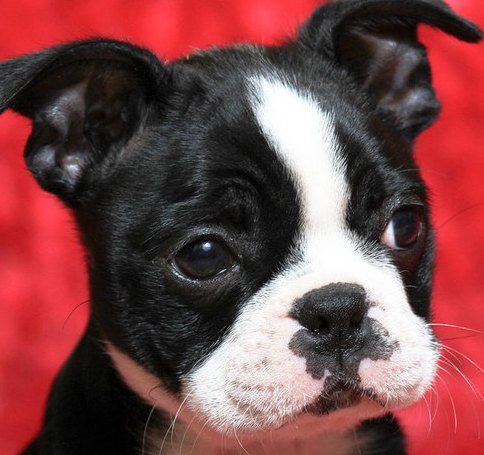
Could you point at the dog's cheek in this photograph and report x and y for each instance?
(403, 378)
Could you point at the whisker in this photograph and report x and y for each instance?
(434, 394)
(171, 428)
(471, 385)
(463, 337)
(459, 213)
(240, 443)
(429, 411)
(453, 326)
(198, 436)
(185, 435)
(73, 311)
(465, 357)
(425, 171)
(147, 424)
(450, 397)
(357, 442)
(440, 378)
(262, 445)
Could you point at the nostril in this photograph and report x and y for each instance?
(318, 325)
(356, 320)
(323, 326)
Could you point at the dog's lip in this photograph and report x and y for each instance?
(325, 404)
(343, 394)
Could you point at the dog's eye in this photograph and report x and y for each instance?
(404, 228)
(204, 259)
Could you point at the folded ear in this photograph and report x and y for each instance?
(86, 101)
(376, 41)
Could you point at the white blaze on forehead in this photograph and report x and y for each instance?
(303, 136)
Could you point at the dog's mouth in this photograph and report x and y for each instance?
(341, 393)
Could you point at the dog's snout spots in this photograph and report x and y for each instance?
(337, 332)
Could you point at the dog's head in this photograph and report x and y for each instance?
(257, 230)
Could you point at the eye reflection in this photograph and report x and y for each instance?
(404, 228)
(204, 259)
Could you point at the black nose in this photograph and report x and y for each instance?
(335, 314)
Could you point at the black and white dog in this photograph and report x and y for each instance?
(257, 235)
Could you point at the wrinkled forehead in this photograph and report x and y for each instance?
(342, 160)
(275, 130)
(302, 146)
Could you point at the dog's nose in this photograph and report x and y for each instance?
(335, 314)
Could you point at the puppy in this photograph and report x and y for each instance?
(257, 235)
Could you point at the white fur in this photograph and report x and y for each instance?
(303, 136)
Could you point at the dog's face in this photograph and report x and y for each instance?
(257, 230)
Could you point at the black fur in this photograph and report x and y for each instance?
(152, 155)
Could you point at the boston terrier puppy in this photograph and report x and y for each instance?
(257, 235)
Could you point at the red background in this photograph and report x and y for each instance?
(42, 278)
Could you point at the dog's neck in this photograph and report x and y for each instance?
(186, 442)
(173, 429)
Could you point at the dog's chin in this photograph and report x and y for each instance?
(348, 393)
(339, 409)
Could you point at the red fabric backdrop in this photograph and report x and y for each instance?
(42, 278)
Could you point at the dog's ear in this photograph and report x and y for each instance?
(86, 101)
(376, 41)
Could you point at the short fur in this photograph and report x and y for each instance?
(294, 163)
